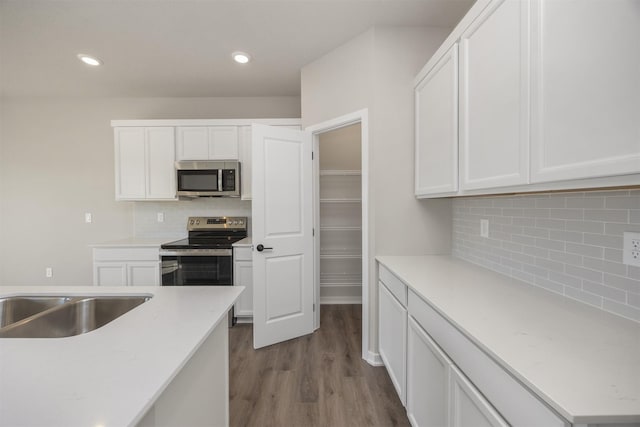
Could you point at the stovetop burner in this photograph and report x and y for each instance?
(211, 233)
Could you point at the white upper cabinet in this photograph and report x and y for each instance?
(586, 89)
(144, 163)
(130, 163)
(436, 151)
(494, 97)
(160, 175)
(207, 142)
(192, 143)
(244, 134)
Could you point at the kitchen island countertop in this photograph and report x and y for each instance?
(113, 375)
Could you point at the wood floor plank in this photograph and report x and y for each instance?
(316, 380)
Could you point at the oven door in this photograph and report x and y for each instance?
(197, 267)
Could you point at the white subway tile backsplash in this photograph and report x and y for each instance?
(585, 226)
(586, 202)
(584, 273)
(586, 250)
(567, 243)
(606, 215)
(622, 203)
(624, 283)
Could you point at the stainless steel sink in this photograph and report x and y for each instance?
(75, 316)
(13, 309)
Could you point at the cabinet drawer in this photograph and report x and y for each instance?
(126, 254)
(397, 288)
(242, 254)
(512, 399)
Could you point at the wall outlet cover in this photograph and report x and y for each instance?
(484, 228)
(88, 218)
(48, 272)
(631, 248)
(160, 217)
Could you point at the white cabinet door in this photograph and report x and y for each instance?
(143, 274)
(109, 274)
(161, 175)
(586, 90)
(468, 407)
(130, 163)
(244, 136)
(436, 152)
(192, 143)
(427, 379)
(392, 337)
(494, 97)
(243, 276)
(223, 143)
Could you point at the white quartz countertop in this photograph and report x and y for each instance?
(583, 362)
(110, 376)
(244, 242)
(136, 242)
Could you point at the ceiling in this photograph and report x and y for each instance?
(182, 48)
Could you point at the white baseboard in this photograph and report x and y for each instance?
(340, 300)
(374, 359)
(244, 319)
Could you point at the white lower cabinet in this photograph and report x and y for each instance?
(393, 338)
(427, 379)
(442, 377)
(467, 407)
(243, 276)
(126, 266)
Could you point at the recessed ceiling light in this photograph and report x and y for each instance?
(89, 60)
(241, 57)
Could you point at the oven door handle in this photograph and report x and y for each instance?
(197, 252)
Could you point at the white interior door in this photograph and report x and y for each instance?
(282, 216)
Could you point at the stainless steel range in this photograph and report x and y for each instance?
(205, 258)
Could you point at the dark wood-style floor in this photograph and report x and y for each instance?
(316, 380)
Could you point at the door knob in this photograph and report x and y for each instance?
(261, 248)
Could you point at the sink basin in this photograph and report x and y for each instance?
(76, 316)
(13, 309)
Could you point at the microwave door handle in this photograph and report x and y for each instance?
(219, 179)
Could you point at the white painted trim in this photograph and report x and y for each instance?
(207, 122)
(244, 319)
(373, 359)
(362, 117)
(340, 300)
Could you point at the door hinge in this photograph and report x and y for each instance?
(314, 307)
(313, 231)
(312, 155)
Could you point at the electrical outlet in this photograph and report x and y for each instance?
(484, 228)
(48, 272)
(631, 248)
(160, 217)
(88, 218)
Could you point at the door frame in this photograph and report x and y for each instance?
(362, 117)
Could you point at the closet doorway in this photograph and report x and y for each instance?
(339, 215)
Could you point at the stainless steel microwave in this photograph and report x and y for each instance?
(208, 178)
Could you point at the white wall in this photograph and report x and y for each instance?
(375, 71)
(57, 162)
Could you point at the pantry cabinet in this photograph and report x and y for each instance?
(494, 97)
(207, 143)
(144, 163)
(436, 150)
(586, 90)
